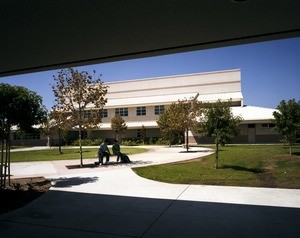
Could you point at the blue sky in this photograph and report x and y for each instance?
(270, 71)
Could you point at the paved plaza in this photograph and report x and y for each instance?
(112, 201)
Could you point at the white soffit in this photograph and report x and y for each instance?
(151, 100)
(220, 96)
(168, 99)
(132, 125)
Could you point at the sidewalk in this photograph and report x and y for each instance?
(112, 201)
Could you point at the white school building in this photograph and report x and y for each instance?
(141, 101)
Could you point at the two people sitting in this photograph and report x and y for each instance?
(104, 152)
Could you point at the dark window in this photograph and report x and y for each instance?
(27, 136)
(141, 111)
(251, 125)
(16, 136)
(104, 113)
(268, 125)
(87, 114)
(123, 112)
(139, 133)
(271, 125)
(159, 109)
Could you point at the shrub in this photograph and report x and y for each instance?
(161, 141)
(88, 142)
(129, 143)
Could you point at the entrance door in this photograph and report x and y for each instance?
(251, 133)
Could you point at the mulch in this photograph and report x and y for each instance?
(21, 192)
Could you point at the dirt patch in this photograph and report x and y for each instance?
(21, 192)
(267, 180)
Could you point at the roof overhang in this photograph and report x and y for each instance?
(42, 35)
(254, 114)
(132, 125)
(169, 99)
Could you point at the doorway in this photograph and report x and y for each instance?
(251, 133)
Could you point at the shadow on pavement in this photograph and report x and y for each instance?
(70, 214)
(70, 182)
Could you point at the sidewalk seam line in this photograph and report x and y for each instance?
(164, 211)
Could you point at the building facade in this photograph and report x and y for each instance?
(140, 102)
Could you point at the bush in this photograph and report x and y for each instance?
(148, 141)
(129, 143)
(161, 141)
(88, 142)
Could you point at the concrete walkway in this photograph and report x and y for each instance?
(112, 201)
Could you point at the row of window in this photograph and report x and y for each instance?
(263, 125)
(140, 111)
(27, 136)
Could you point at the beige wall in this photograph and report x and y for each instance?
(262, 135)
(150, 116)
(203, 83)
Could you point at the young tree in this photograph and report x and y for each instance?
(168, 133)
(180, 117)
(56, 124)
(143, 134)
(118, 125)
(19, 107)
(219, 121)
(287, 120)
(77, 93)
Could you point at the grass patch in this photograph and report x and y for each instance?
(68, 154)
(243, 165)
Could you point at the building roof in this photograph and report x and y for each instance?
(253, 114)
(169, 99)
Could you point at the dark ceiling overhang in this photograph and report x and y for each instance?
(50, 34)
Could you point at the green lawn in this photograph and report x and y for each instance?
(243, 165)
(68, 153)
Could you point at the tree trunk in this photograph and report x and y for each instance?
(290, 149)
(187, 140)
(8, 155)
(80, 147)
(217, 156)
(59, 141)
(2, 155)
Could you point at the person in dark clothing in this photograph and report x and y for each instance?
(103, 151)
(116, 150)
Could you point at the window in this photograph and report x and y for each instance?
(123, 112)
(104, 113)
(139, 133)
(141, 111)
(16, 136)
(268, 125)
(26, 136)
(32, 136)
(159, 109)
(87, 114)
(251, 125)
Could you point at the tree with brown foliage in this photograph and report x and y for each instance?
(79, 98)
(180, 117)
